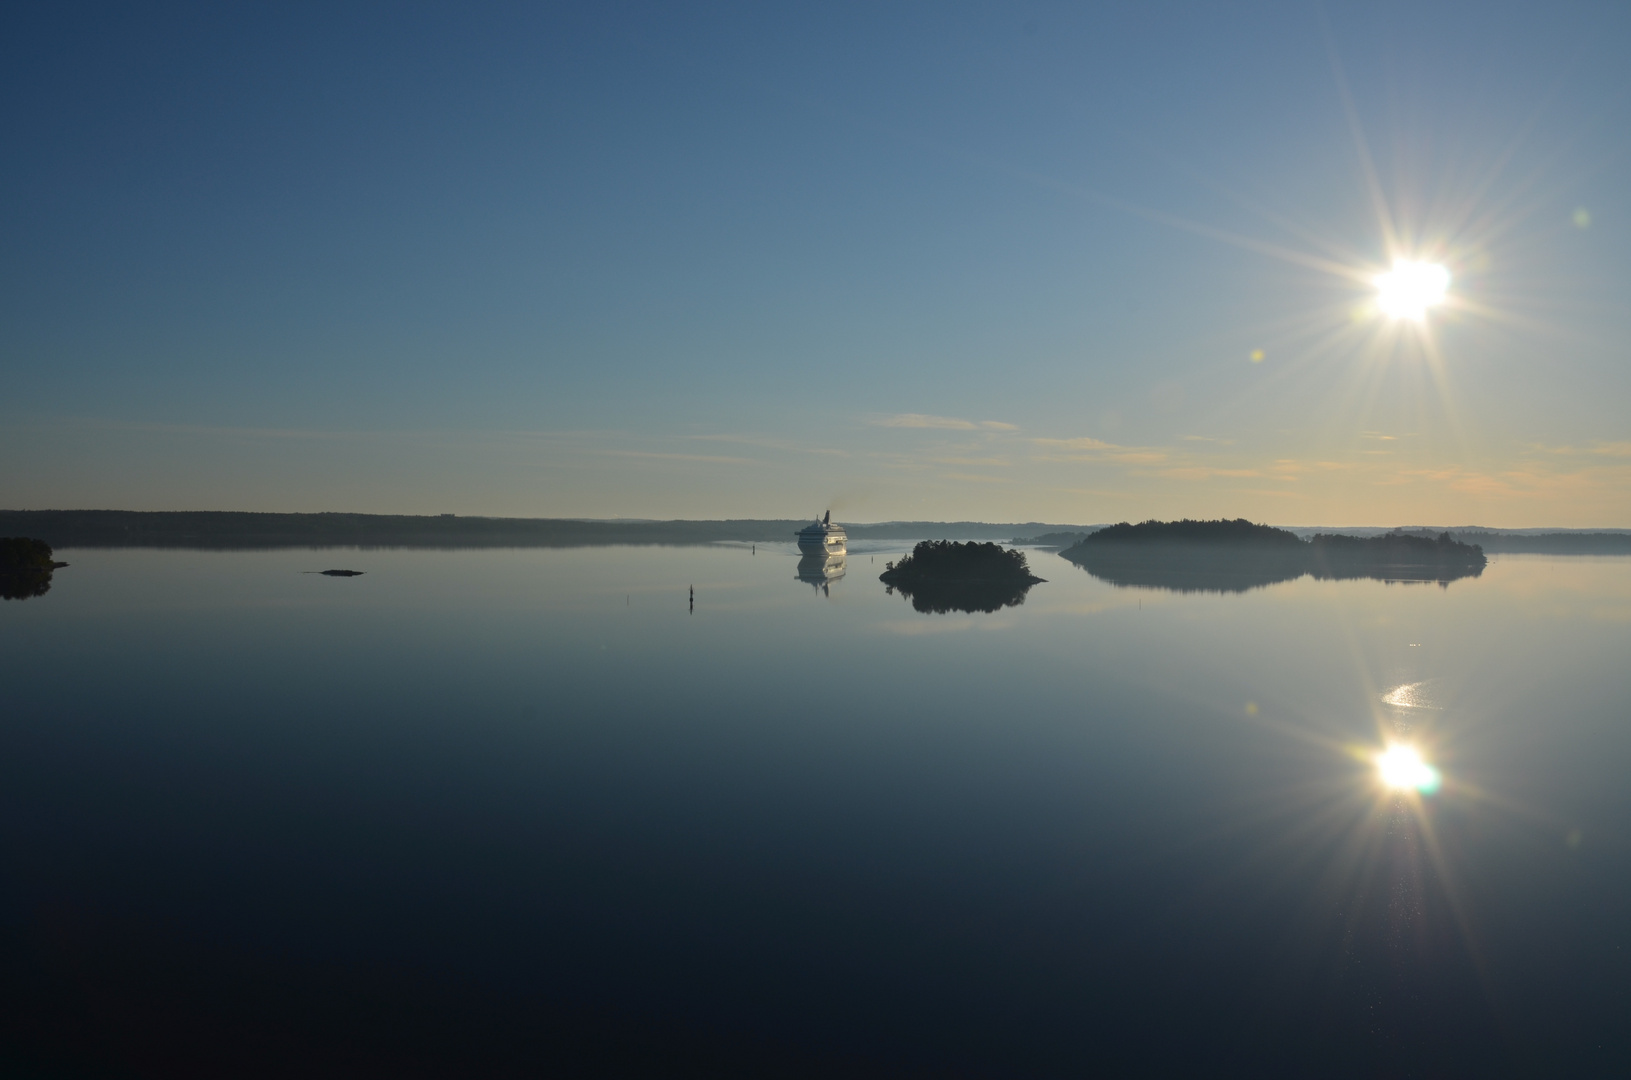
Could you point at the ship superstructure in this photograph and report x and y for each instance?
(823, 537)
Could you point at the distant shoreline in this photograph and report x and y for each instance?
(248, 530)
(244, 530)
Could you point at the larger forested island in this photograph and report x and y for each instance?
(1238, 554)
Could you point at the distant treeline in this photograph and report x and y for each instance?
(1570, 543)
(1538, 541)
(1051, 540)
(241, 530)
(232, 529)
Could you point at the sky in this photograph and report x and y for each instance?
(1003, 262)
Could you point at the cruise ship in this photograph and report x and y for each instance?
(823, 537)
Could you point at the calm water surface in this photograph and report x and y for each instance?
(513, 812)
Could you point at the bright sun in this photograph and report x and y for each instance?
(1410, 288)
(1402, 767)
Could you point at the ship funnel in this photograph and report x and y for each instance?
(826, 519)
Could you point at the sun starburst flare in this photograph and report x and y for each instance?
(1410, 288)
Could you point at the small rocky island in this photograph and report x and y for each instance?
(1232, 556)
(25, 567)
(943, 575)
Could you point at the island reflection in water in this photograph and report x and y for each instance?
(24, 584)
(943, 597)
(1191, 571)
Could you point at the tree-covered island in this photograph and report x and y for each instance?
(1235, 555)
(947, 560)
(1442, 556)
(942, 575)
(25, 567)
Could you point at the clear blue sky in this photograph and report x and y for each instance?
(1009, 262)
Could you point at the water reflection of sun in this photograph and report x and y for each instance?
(1401, 767)
(1374, 831)
(1410, 695)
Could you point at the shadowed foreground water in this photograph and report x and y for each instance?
(523, 812)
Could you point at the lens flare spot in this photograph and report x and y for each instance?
(1410, 288)
(1257, 356)
(1401, 766)
(1582, 218)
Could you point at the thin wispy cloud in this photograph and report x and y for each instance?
(1601, 449)
(215, 430)
(976, 478)
(1205, 472)
(944, 423)
(1087, 449)
(767, 443)
(1081, 443)
(714, 459)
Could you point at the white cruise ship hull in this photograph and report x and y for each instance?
(823, 545)
(823, 537)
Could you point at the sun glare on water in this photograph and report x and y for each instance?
(1402, 767)
(1410, 288)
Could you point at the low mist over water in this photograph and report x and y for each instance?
(716, 810)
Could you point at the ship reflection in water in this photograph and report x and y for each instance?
(820, 571)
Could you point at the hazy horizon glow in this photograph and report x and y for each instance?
(979, 263)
